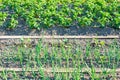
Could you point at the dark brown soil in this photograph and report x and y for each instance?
(74, 30)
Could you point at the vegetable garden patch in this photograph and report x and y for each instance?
(65, 13)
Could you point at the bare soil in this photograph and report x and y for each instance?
(73, 30)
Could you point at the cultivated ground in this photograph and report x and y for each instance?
(23, 30)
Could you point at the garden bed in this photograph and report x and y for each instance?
(24, 54)
(45, 14)
(60, 53)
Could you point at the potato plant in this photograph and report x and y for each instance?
(3, 17)
(65, 13)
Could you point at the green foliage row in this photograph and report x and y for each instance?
(64, 13)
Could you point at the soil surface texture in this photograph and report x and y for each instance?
(74, 30)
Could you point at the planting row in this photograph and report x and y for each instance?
(65, 13)
(61, 55)
(60, 74)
